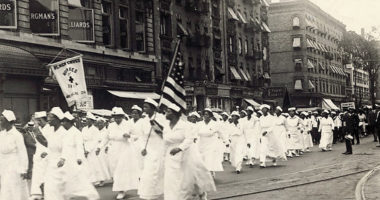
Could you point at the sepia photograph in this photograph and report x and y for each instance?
(189, 99)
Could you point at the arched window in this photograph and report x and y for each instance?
(296, 22)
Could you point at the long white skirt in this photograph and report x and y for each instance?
(186, 175)
(53, 187)
(38, 173)
(276, 144)
(114, 151)
(296, 139)
(238, 150)
(13, 187)
(211, 154)
(126, 176)
(326, 139)
(308, 141)
(151, 185)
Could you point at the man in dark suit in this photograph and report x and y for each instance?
(30, 144)
(355, 123)
(348, 129)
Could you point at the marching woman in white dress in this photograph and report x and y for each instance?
(125, 176)
(224, 129)
(136, 131)
(39, 158)
(293, 126)
(249, 133)
(76, 182)
(238, 143)
(101, 150)
(326, 128)
(53, 176)
(308, 141)
(209, 144)
(151, 185)
(13, 160)
(186, 175)
(279, 132)
(91, 139)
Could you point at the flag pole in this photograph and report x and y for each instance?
(178, 42)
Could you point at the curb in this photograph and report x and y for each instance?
(360, 186)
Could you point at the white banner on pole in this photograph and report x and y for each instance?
(70, 76)
(86, 104)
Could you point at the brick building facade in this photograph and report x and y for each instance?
(305, 57)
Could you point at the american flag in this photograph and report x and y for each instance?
(174, 91)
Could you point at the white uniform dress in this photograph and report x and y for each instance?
(103, 156)
(326, 127)
(126, 174)
(238, 145)
(250, 135)
(185, 172)
(13, 163)
(293, 127)
(76, 182)
(91, 139)
(54, 187)
(308, 141)
(279, 133)
(136, 132)
(39, 164)
(151, 185)
(210, 145)
(116, 142)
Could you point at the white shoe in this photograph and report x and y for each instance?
(120, 195)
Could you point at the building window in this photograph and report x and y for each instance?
(240, 50)
(246, 47)
(140, 27)
(107, 22)
(165, 25)
(298, 64)
(231, 46)
(297, 42)
(124, 26)
(296, 22)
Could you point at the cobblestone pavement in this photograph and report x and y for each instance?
(295, 175)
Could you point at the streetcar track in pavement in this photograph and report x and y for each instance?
(289, 186)
(354, 169)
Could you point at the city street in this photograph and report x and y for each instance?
(316, 175)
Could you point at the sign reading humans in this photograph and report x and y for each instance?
(8, 14)
(44, 17)
(70, 76)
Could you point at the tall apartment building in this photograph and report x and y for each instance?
(305, 57)
(223, 45)
(357, 89)
(117, 38)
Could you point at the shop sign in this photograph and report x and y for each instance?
(199, 91)
(347, 105)
(8, 14)
(44, 17)
(81, 25)
(212, 91)
(258, 94)
(86, 104)
(223, 93)
(275, 92)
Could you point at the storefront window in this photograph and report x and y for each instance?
(140, 27)
(107, 22)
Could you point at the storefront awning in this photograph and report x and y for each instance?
(15, 60)
(311, 85)
(266, 28)
(248, 74)
(75, 3)
(235, 74)
(309, 44)
(327, 104)
(310, 64)
(321, 66)
(232, 14)
(266, 75)
(253, 103)
(134, 95)
(242, 73)
(241, 17)
(183, 29)
(298, 85)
